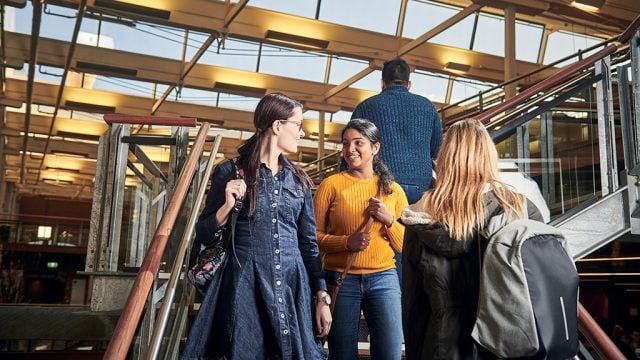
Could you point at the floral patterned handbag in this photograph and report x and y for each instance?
(210, 259)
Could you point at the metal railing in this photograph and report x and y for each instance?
(130, 316)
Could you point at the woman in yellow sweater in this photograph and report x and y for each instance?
(343, 203)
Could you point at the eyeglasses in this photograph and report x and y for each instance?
(299, 123)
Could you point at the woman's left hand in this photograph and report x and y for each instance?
(323, 319)
(378, 210)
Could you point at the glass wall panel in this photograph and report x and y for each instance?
(431, 86)
(528, 38)
(463, 89)
(375, 15)
(562, 44)
(490, 35)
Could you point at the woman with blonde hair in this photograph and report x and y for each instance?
(441, 244)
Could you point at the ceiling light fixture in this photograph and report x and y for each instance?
(296, 40)
(239, 89)
(105, 69)
(70, 154)
(53, 168)
(120, 6)
(588, 5)
(56, 181)
(90, 108)
(454, 66)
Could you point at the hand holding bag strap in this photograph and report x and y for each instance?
(352, 257)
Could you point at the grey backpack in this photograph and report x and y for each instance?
(528, 300)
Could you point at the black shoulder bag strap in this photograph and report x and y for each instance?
(238, 174)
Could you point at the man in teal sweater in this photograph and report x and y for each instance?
(410, 128)
(411, 132)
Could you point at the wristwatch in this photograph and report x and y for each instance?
(326, 298)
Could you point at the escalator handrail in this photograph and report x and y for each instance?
(623, 38)
(546, 84)
(601, 343)
(132, 311)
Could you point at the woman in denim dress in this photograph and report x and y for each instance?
(261, 304)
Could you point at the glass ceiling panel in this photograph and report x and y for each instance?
(293, 63)
(306, 8)
(374, 15)
(369, 82)
(52, 25)
(154, 40)
(342, 69)
(132, 87)
(195, 96)
(425, 15)
(237, 54)
(236, 102)
(431, 86)
(561, 44)
(341, 117)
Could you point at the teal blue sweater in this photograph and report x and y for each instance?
(411, 133)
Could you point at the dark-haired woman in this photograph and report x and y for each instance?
(263, 305)
(343, 203)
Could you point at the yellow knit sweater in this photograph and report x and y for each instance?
(340, 208)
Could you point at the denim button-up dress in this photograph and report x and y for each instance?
(261, 305)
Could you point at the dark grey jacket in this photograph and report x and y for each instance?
(440, 287)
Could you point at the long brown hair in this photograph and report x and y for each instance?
(466, 164)
(272, 107)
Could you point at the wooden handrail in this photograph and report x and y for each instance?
(596, 337)
(148, 120)
(130, 317)
(546, 84)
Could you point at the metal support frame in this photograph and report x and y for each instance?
(546, 153)
(626, 122)
(606, 129)
(633, 177)
(635, 79)
(522, 142)
(178, 154)
(117, 164)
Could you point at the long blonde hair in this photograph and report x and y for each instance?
(466, 164)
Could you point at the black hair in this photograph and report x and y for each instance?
(272, 107)
(395, 72)
(371, 132)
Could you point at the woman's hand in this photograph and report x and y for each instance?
(323, 316)
(235, 189)
(358, 241)
(378, 210)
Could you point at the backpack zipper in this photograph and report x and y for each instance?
(564, 316)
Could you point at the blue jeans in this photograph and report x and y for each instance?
(378, 295)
